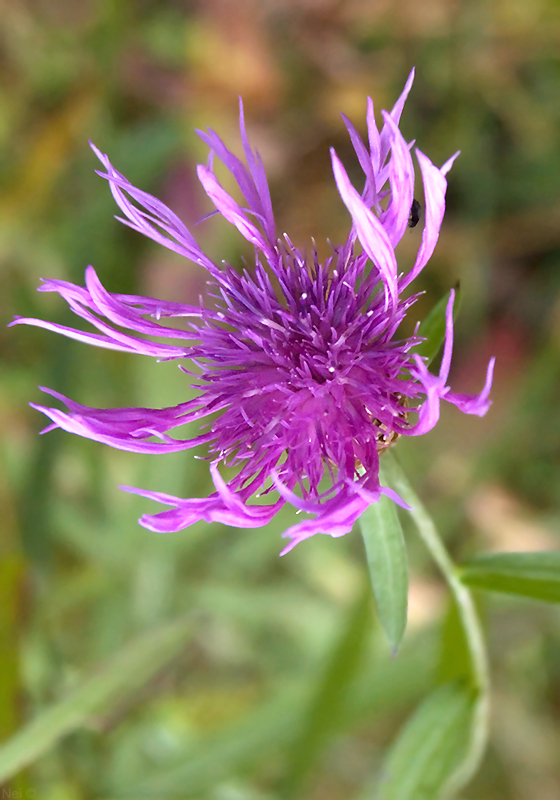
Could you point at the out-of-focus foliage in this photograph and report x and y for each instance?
(283, 686)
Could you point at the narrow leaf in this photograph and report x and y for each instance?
(431, 746)
(124, 674)
(379, 688)
(432, 326)
(455, 662)
(327, 706)
(535, 575)
(386, 555)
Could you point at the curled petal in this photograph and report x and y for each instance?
(435, 389)
(401, 177)
(122, 314)
(373, 497)
(258, 175)
(139, 304)
(477, 404)
(335, 518)
(371, 233)
(124, 428)
(253, 183)
(95, 298)
(210, 509)
(231, 210)
(290, 497)
(365, 160)
(374, 139)
(435, 186)
(153, 218)
(73, 423)
(80, 336)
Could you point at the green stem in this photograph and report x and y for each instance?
(395, 477)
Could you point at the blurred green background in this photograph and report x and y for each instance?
(199, 664)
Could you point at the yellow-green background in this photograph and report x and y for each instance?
(245, 710)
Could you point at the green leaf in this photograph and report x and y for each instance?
(534, 575)
(327, 706)
(386, 555)
(432, 326)
(455, 662)
(379, 688)
(431, 746)
(124, 674)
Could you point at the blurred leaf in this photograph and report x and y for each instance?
(475, 733)
(274, 724)
(47, 153)
(124, 674)
(430, 747)
(534, 575)
(455, 659)
(326, 710)
(226, 753)
(393, 684)
(386, 556)
(432, 326)
(12, 572)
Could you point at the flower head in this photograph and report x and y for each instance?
(300, 367)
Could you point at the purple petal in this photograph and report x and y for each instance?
(259, 177)
(209, 509)
(126, 428)
(396, 113)
(371, 233)
(231, 210)
(435, 186)
(373, 138)
(434, 388)
(365, 160)
(401, 177)
(88, 338)
(472, 403)
(82, 426)
(156, 217)
(121, 314)
(336, 520)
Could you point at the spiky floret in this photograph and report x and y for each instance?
(300, 368)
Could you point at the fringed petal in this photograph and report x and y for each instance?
(335, 518)
(436, 389)
(396, 113)
(401, 178)
(124, 315)
(371, 233)
(209, 509)
(232, 211)
(435, 186)
(365, 159)
(258, 174)
(153, 218)
(477, 404)
(124, 428)
(105, 342)
(374, 140)
(253, 183)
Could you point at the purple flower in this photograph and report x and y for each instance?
(299, 364)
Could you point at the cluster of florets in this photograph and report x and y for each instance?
(299, 364)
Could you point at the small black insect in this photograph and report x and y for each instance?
(414, 217)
